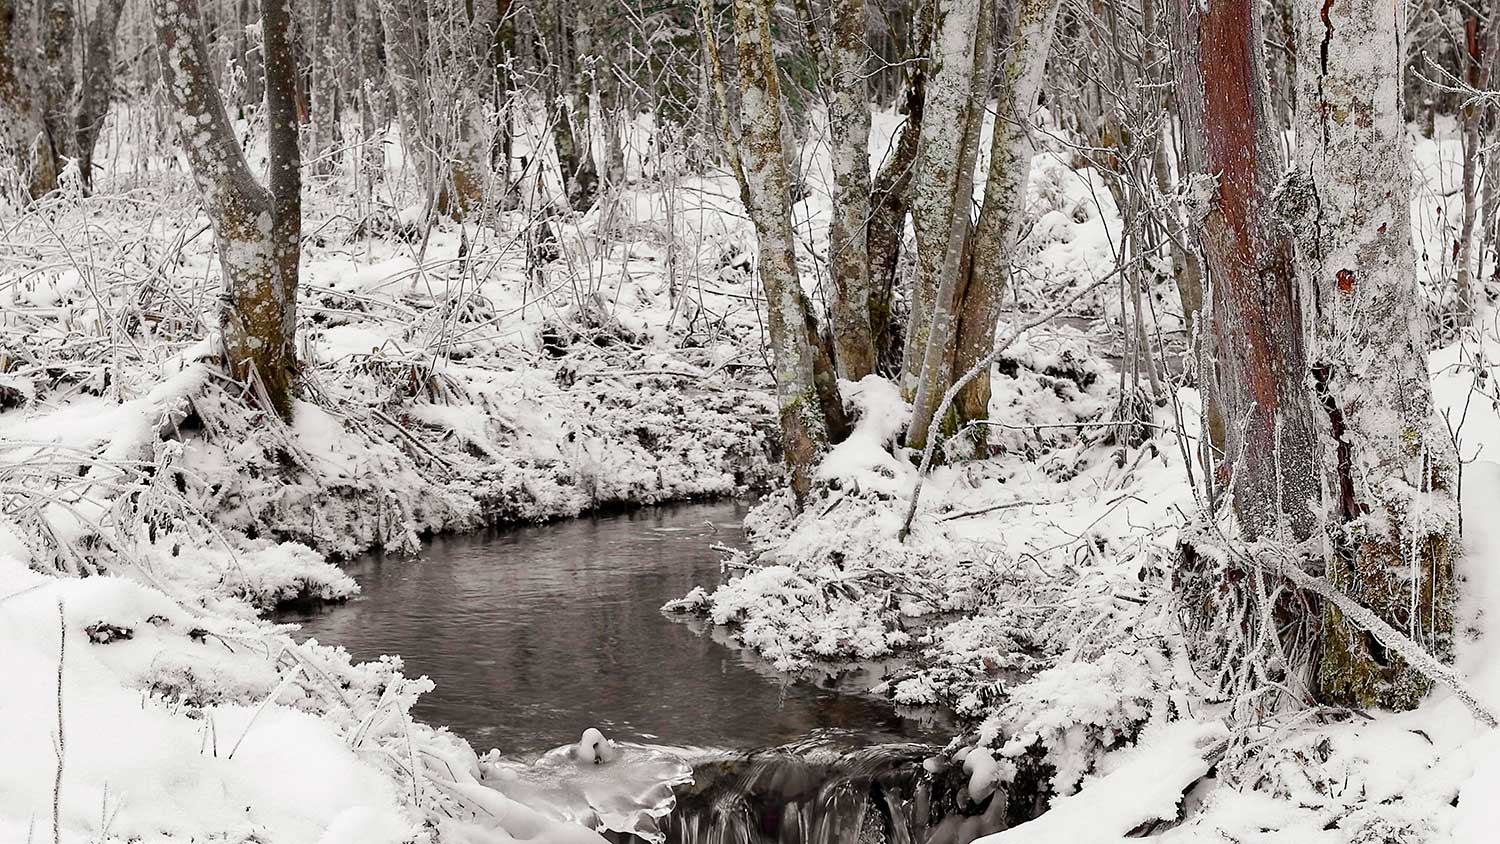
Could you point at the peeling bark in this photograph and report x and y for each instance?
(1270, 428)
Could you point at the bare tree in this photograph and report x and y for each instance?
(952, 116)
(1031, 24)
(848, 258)
(804, 432)
(258, 230)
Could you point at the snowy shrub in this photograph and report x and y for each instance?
(1076, 711)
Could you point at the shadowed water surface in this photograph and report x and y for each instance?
(533, 634)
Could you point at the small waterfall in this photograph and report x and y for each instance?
(811, 793)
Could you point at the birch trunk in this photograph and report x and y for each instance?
(258, 231)
(848, 245)
(1270, 428)
(944, 194)
(1032, 24)
(804, 434)
(1391, 471)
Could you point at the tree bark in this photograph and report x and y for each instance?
(24, 142)
(803, 431)
(1032, 24)
(97, 88)
(258, 231)
(1270, 462)
(848, 244)
(944, 195)
(1391, 471)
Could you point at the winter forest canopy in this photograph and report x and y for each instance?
(1086, 404)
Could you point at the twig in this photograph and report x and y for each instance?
(61, 748)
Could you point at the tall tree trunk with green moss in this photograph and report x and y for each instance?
(1391, 471)
(804, 432)
(258, 230)
(957, 83)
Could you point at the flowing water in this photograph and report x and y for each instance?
(534, 634)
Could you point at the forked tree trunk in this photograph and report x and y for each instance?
(1391, 471)
(803, 431)
(1019, 77)
(97, 88)
(25, 150)
(1270, 461)
(258, 231)
(848, 260)
(944, 193)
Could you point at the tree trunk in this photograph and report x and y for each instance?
(890, 202)
(1391, 471)
(941, 205)
(98, 85)
(1032, 23)
(1270, 461)
(326, 64)
(803, 431)
(59, 40)
(374, 94)
(258, 231)
(1473, 59)
(849, 259)
(24, 143)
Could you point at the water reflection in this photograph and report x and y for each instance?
(533, 634)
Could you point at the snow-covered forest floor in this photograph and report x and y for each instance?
(466, 376)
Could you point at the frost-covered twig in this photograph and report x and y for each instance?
(62, 649)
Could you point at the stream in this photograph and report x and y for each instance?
(535, 633)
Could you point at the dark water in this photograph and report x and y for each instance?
(534, 634)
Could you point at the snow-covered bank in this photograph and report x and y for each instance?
(1035, 595)
(465, 378)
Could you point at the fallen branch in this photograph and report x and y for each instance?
(1415, 655)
